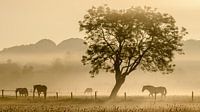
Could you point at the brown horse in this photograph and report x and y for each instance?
(40, 89)
(155, 90)
(21, 91)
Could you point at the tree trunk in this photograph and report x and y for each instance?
(116, 88)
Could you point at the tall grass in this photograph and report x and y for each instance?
(132, 104)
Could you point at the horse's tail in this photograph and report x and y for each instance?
(165, 91)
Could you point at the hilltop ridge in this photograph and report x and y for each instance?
(47, 46)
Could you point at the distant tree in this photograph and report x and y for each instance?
(9, 61)
(57, 65)
(27, 69)
(121, 41)
(10, 67)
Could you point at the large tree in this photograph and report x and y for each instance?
(121, 41)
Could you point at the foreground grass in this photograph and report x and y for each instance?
(133, 104)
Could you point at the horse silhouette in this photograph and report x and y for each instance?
(88, 91)
(155, 90)
(21, 91)
(40, 89)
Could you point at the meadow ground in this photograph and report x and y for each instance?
(86, 104)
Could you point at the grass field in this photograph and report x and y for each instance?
(83, 104)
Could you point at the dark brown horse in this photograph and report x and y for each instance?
(40, 89)
(155, 90)
(22, 92)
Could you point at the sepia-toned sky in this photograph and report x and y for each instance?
(27, 21)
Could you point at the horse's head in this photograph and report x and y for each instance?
(147, 87)
(17, 89)
(143, 88)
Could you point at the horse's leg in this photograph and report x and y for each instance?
(39, 94)
(45, 95)
(151, 94)
(163, 95)
(155, 95)
(16, 95)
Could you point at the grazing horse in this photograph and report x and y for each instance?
(155, 90)
(40, 89)
(22, 91)
(88, 91)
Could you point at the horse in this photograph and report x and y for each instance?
(88, 91)
(155, 90)
(40, 89)
(22, 91)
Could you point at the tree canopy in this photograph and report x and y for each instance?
(121, 41)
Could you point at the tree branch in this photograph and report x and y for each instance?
(138, 59)
(108, 44)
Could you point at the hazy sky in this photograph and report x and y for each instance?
(27, 21)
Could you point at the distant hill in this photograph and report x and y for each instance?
(47, 46)
(46, 50)
(76, 45)
(192, 46)
(72, 44)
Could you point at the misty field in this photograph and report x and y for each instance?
(86, 104)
